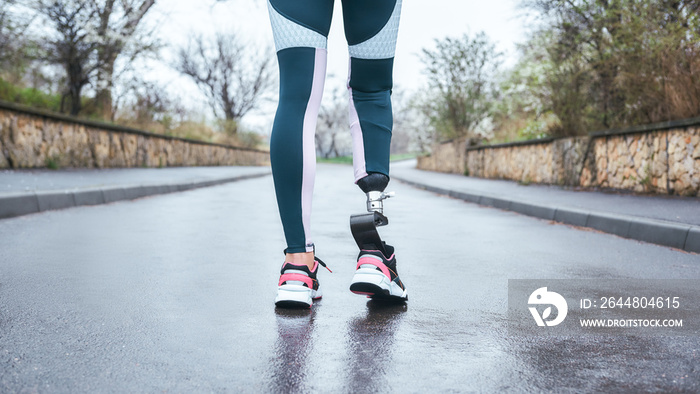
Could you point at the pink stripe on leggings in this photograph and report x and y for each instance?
(308, 143)
(358, 146)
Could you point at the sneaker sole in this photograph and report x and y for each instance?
(376, 286)
(295, 296)
(376, 293)
(292, 304)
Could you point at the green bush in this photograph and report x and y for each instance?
(29, 96)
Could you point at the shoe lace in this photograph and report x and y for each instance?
(323, 264)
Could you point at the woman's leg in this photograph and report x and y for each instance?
(300, 29)
(371, 27)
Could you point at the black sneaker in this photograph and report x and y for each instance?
(298, 286)
(376, 276)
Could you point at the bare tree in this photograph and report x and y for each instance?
(71, 45)
(142, 102)
(118, 23)
(14, 43)
(407, 128)
(461, 72)
(7, 32)
(233, 75)
(87, 38)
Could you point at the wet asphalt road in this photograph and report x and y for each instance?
(175, 293)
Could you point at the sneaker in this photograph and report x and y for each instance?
(298, 286)
(376, 276)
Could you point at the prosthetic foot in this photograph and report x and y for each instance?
(376, 275)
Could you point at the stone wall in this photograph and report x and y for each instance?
(31, 138)
(554, 161)
(661, 162)
(660, 158)
(446, 157)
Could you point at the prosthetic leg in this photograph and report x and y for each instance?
(364, 225)
(376, 275)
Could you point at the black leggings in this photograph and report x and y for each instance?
(300, 28)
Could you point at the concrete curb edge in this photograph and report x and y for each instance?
(677, 235)
(40, 201)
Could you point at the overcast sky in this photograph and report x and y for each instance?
(422, 21)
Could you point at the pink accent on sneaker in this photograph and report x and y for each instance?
(374, 262)
(298, 277)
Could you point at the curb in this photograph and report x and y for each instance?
(676, 235)
(40, 201)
